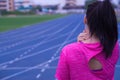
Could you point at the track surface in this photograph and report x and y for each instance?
(32, 52)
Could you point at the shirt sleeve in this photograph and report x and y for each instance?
(62, 72)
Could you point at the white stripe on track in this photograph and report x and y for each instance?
(44, 41)
(29, 36)
(61, 46)
(12, 32)
(41, 24)
(18, 68)
(21, 72)
(16, 50)
(41, 67)
(27, 56)
(24, 41)
(31, 55)
(34, 67)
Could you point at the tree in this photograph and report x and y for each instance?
(39, 7)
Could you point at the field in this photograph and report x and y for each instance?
(13, 22)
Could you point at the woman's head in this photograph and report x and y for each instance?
(102, 22)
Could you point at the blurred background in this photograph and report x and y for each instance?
(14, 8)
(33, 32)
(37, 8)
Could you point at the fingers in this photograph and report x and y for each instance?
(82, 36)
(80, 39)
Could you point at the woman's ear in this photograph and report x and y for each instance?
(85, 20)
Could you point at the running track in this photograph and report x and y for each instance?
(32, 52)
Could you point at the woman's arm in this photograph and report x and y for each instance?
(62, 72)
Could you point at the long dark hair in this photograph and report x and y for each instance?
(102, 23)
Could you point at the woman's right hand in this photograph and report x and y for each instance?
(82, 36)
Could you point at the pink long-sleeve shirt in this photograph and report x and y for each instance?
(74, 58)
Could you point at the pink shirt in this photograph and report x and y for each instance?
(74, 58)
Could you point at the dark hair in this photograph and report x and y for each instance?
(102, 23)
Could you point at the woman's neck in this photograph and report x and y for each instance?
(92, 39)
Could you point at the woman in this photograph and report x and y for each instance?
(95, 54)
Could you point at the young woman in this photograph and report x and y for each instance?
(95, 54)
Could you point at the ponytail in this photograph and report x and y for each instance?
(103, 23)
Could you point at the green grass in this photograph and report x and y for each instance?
(9, 23)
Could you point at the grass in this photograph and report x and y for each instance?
(9, 23)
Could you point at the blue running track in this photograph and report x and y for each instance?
(32, 52)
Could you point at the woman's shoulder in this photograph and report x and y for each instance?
(71, 49)
(71, 45)
(75, 46)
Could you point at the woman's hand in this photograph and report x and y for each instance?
(82, 36)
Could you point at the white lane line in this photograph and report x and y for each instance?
(16, 50)
(49, 35)
(53, 23)
(26, 70)
(4, 67)
(31, 46)
(34, 67)
(12, 61)
(38, 44)
(38, 76)
(23, 41)
(41, 67)
(18, 68)
(27, 37)
(27, 56)
(72, 32)
(31, 55)
(61, 46)
(28, 28)
(7, 33)
(30, 36)
(24, 57)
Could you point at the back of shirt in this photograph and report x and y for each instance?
(74, 59)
